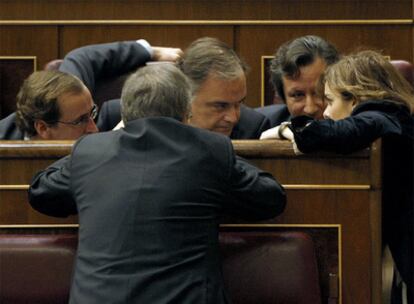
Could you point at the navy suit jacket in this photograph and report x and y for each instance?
(149, 198)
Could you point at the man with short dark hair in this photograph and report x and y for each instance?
(149, 198)
(295, 71)
(51, 105)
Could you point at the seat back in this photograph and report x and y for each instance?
(276, 267)
(406, 69)
(36, 268)
(259, 267)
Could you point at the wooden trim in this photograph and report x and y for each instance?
(327, 187)
(39, 226)
(246, 148)
(211, 22)
(281, 148)
(45, 149)
(281, 225)
(287, 187)
(14, 187)
(34, 58)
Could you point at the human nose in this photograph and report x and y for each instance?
(326, 113)
(91, 126)
(311, 107)
(233, 114)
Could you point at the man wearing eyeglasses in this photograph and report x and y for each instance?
(46, 112)
(51, 105)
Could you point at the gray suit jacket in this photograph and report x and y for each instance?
(149, 198)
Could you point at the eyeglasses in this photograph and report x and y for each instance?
(83, 120)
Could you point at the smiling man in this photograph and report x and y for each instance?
(295, 71)
(51, 105)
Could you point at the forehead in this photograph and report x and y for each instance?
(215, 88)
(74, 104)
(308, 76)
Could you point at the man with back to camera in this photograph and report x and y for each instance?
(149, 198)
(295, 71)
(218, 76)
(51, 105)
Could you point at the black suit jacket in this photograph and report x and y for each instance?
(276, 114)
(250, 125)
(9, 130)
(149, 198)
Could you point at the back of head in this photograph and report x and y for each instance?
(157, 90)
(210, 56)
(38, 98)
(298, 53)
(368, 75)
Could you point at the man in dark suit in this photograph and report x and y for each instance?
(217, 73)
(51, 105)
(295, 71)
(149, 197)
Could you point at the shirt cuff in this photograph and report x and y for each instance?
(145, 44)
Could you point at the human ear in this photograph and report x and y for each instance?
(42, 129)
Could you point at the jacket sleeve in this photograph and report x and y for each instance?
(109, 115)
(93, 62)
(346, 135)
(50, 192)
(253, 193)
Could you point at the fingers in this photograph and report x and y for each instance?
(166, 53)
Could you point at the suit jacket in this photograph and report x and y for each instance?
(9, 130)
(276, 114)
(250, 125)
(149, 198)
(92, 63)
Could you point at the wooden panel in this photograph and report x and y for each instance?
(197, 9)
(324, 189)
(253, 42)
(13, 71)
(161, 35)
(38, 41)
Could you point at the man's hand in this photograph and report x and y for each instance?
(166, 53)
